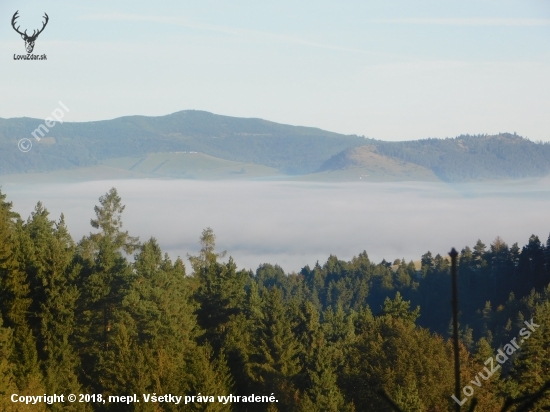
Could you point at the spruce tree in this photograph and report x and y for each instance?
(52, 276)
(221, 291)
(14, 287)
(16, 299)
(488, 395)
(103, 282)
(276, 363)
(324, 390)
(7, 378)
(531, 367)
(399, 308)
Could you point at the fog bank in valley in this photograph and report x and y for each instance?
(296, 223)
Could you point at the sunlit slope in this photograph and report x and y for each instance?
(189, 165)
(290, 149)
(308, 152)
(469, 158)
(152, 166)
(364, 163)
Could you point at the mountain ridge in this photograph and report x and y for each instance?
(290, 150)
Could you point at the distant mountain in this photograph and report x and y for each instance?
(126, 142)
(290, 149)
(464, 158)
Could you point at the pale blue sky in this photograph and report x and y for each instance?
(393, 70)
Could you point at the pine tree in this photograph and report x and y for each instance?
(159, 303)
(210, 376)
(324, 390)
(479, 255)
(381, 357)
(532, 365)
(14, 287)
(239, 344)
(54, 299)
(321, 359)
(276, 363)
(220, 295)
(103, 282)
(532, 263)
(7, 378)
(408, 398)
(399, 308)
(488, 395)
(207, 255)
(15, 299)
(427, 263)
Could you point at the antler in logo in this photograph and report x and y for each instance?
(29, 40)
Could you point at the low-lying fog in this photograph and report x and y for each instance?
(295, 223)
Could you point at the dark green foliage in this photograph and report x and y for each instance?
(52, 275)
(531, 368)
(220, 295)
(16, 299)
(86, 318)
(399, 309)
(104, 280)
(15, 289)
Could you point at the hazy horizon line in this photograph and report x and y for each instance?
(279, 123)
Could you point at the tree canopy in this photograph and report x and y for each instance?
(111, 315)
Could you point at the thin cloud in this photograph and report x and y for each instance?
(467, 21)
(248, 33)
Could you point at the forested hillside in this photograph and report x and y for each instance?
(82, 317)
(459, 159)
(466, 157)
(292, 149)
(288, 150)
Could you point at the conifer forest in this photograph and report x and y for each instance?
(111, 315)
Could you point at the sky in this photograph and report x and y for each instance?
(396, 70)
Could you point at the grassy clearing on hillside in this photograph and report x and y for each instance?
(190, 165)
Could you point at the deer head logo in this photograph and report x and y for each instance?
(29, 40)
